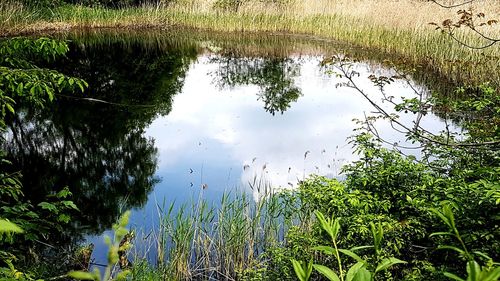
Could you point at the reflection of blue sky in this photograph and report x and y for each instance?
(223, 130)
(215, 132)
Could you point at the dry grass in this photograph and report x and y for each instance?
(400, 14)
(398, 27)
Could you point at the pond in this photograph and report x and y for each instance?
(179, 116)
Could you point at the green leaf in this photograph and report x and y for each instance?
(49, 92)
(325, 249)
(386, 263)
(363, 275)
(353, 271)
(81, 275)
(378, 234)
(303, 272)
(449, 214)
(60, 80)
(360, 248)
(10, 108)
(325, 224)
(492, 275)
(299, 271)
(473, 270)
(63, 218)
(352, 255)
(70, 204)
(48, 206)
(481, 254)
(7, 226)
(63, 193)
(80, 85)
(453, 276)
(443, 233)
(335, 228)
(462, 252)
(327, 272)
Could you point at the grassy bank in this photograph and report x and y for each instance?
(402, 30)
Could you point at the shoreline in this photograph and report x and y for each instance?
(425, 47)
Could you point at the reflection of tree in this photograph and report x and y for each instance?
(98, 149)
(73, 146)
(130, 75)
(273, 75)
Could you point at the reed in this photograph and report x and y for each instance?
(217, 240)
(403, 30)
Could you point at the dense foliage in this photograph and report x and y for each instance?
(23, 81)
(439, 213)
(98, 158)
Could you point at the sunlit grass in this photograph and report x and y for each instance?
(394, 27)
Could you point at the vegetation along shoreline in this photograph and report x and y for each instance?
(407, 34)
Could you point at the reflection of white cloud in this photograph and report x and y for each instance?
(229, 128)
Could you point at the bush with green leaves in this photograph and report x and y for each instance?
(395, 192)
(23, 81)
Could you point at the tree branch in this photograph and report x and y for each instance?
(451, 6)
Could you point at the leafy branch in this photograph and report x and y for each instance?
(115, 247)
(468, 19)
(343, 67)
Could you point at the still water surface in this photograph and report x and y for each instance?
(168, 120)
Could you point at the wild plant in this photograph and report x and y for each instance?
(224, 239)
(115, 246)
(363, 270)
(475, 272)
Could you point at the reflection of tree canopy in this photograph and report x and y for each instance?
(131, 75)
(98, 149)
(274, 76)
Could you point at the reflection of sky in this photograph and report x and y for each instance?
(212, 134)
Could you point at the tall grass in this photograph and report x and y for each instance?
(402, 30)
(14, 15)
(220, 241)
